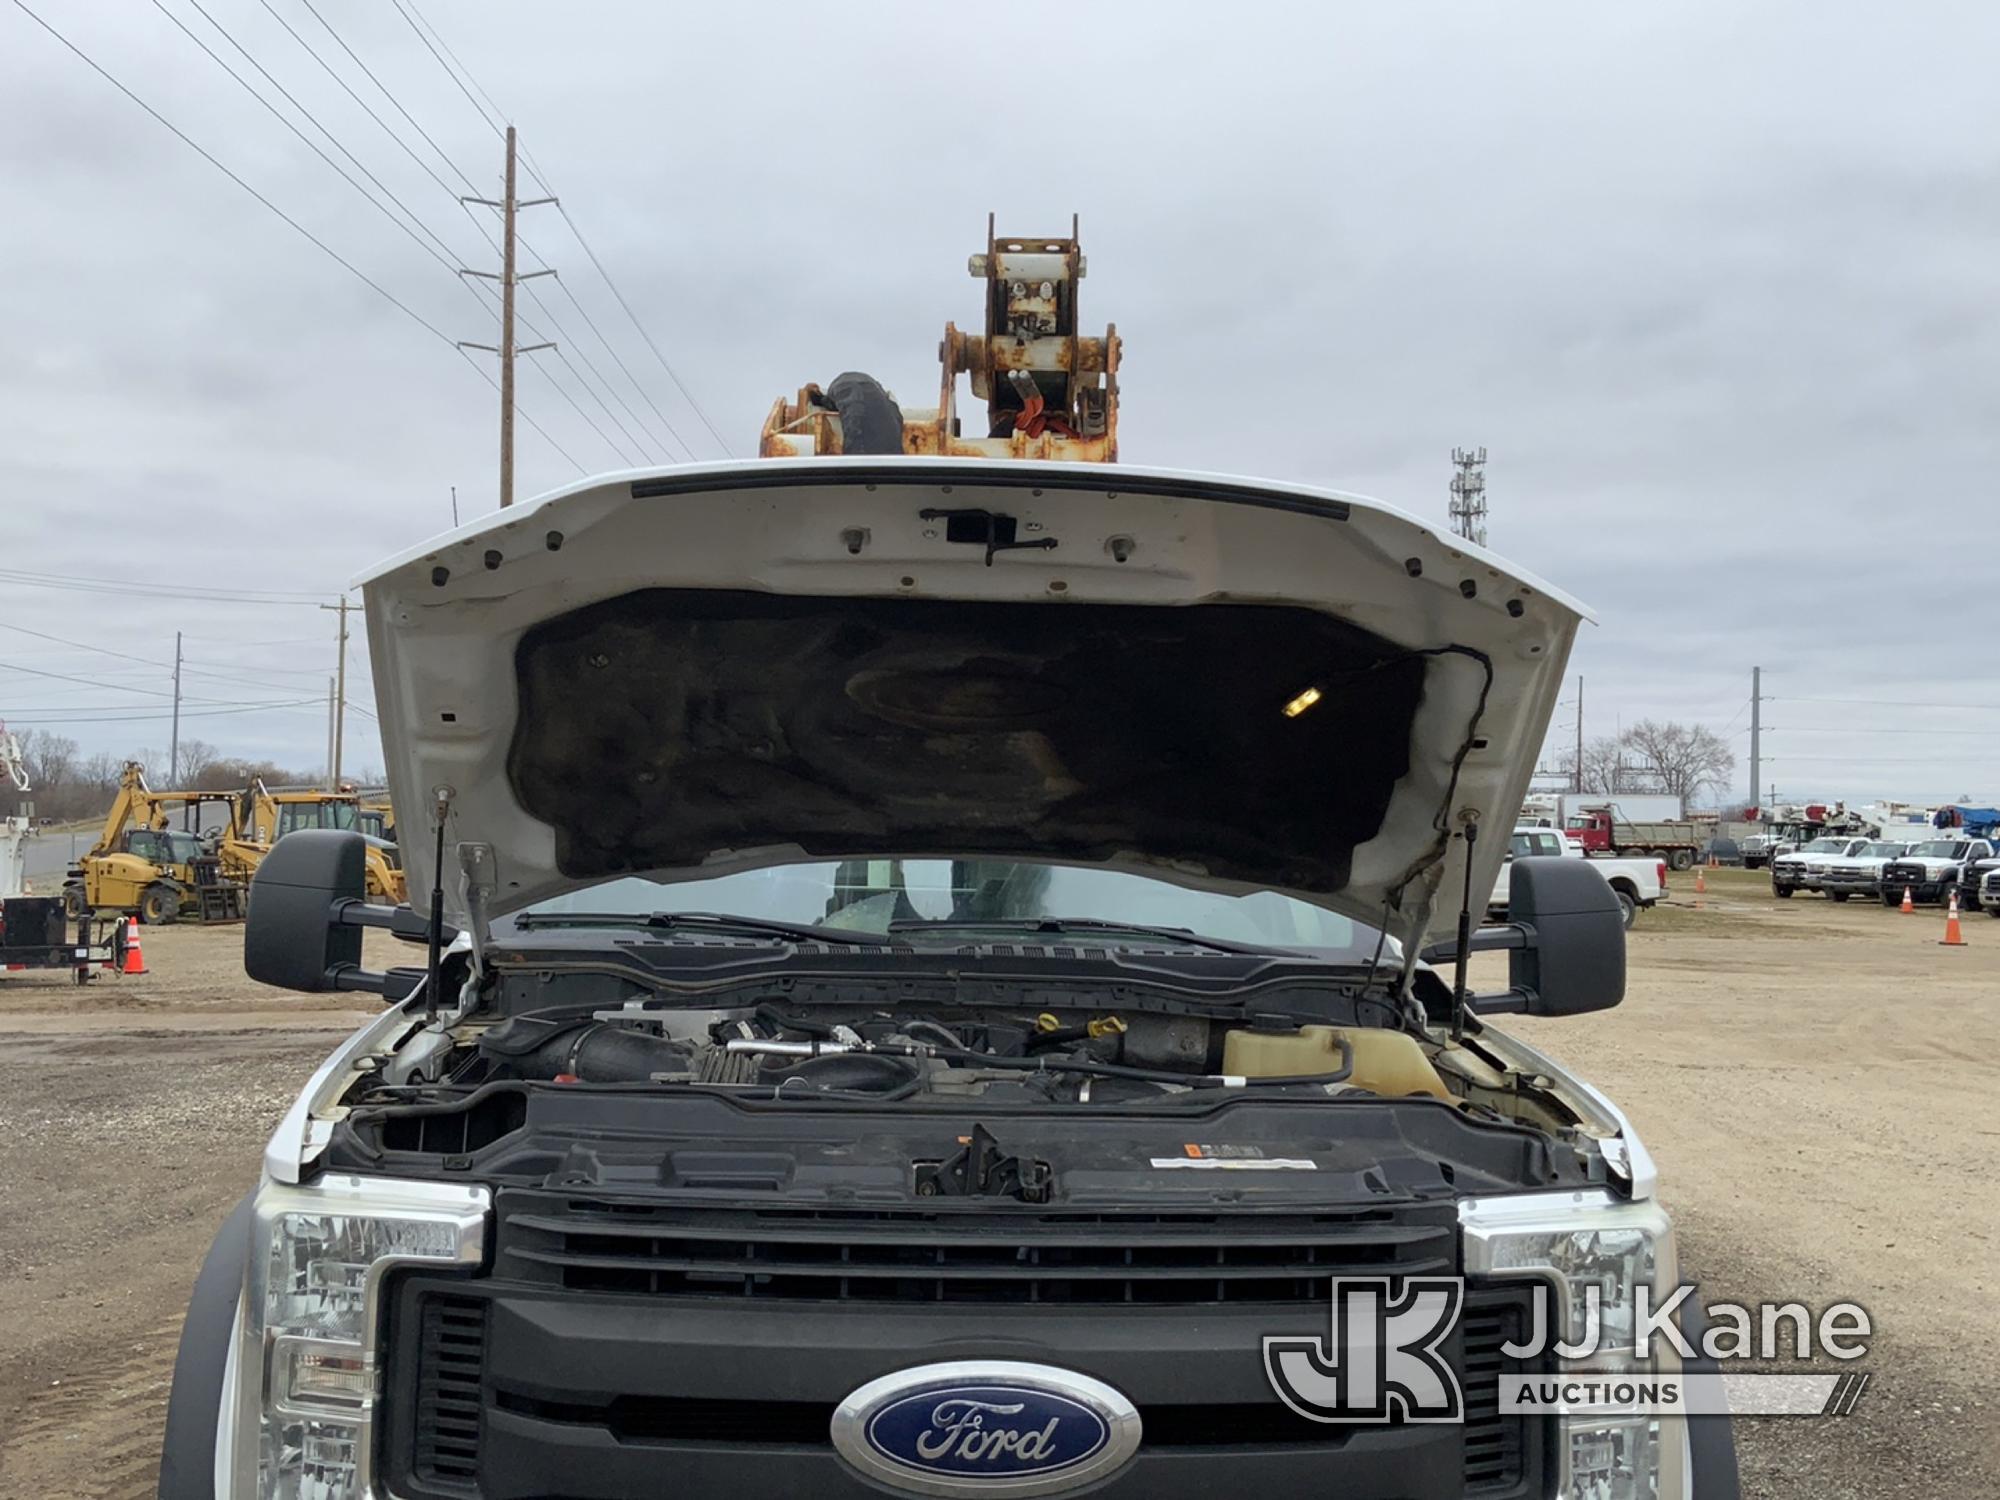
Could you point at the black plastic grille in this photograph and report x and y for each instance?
(1496, 1443)
(452, 1331)
(1504, 1454)
(1192, 1259)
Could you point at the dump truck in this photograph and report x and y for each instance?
(1601, 831)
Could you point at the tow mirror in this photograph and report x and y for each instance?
(1575, 961)
(308, 906)
(1565, 942)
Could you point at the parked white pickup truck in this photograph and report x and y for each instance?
(1636, 882)
(1858, 873)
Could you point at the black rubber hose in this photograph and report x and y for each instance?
(855, 1072)
(870, 420)
(601, 1053)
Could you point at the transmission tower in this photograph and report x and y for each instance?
(1468, 494)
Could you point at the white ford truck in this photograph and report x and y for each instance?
(1638, 883)
(937, 975)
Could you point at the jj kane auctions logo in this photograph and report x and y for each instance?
(1384, 1357)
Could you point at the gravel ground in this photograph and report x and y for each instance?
(1810, 1078)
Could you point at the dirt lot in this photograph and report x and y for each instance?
(1809, 1076)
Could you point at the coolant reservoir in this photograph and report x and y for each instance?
(1385, 1062)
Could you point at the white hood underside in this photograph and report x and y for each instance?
(631, 746)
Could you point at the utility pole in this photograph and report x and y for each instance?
(1579, 731)
(1468, 494)
(509, 206)
(329, 733)
(1756, 730)
(339, 697)
(174, 751)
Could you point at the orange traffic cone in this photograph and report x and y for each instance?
(135, 961)
(1909, 903)
(1700, 884)
(1952, 938)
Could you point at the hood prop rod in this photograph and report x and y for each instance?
(431, 978)
(1459, 1008)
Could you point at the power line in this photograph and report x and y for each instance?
(368, 109)
(453, 69)
(448, 259)
(1851, 729)
(446, 158)
(1868, 760)
(487, 375)
(1890, 703)
(448, 71)
(43, 635)
(199, 150)
(618, 359)
(672, 374)
(186, 713)
(89, 683)
(443, 252)
(159, 590)
(164, 666)
(386, 94)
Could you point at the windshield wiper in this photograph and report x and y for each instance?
(703, 921)
(1059, 925)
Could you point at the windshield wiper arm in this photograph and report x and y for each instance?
(704, 921)
(1061, 925)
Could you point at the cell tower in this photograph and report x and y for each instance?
(1468, 494)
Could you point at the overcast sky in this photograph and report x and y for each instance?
(1717, 286)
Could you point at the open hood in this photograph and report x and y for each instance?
(1222, 683)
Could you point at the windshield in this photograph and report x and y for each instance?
(1824, 846)
(1939, 849)
(293, 816)
(1880, 851)
(181, 847)
(866, 895)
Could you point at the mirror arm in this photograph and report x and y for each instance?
(398, 921)
(1486, 940)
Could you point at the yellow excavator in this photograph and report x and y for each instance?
(261, 817)
(142, 864)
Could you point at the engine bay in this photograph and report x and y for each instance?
(791, 1045)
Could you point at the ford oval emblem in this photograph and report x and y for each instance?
(986, 1427)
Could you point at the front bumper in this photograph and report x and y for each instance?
(1922, 885)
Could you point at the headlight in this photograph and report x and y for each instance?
(317, 1265)
(1574, 1241)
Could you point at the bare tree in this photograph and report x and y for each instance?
(99, 775)
(1687, 760)
(198, 758)
(50, 759)
(1601, 762)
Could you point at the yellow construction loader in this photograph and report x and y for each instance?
(142, 864)
(260, 817)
